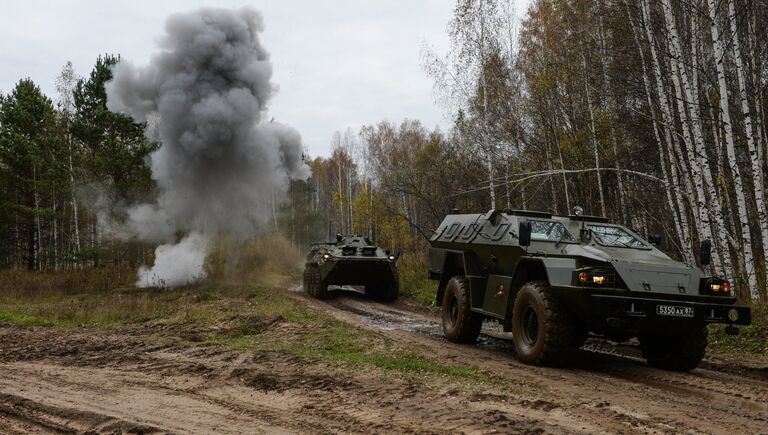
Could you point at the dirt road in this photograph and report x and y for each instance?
(64, 381)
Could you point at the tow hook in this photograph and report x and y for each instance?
(731, 330)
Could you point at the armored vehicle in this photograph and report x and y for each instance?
(551, 280)
(351, 261)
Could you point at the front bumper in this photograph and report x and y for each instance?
(643, 313)
(356, 271)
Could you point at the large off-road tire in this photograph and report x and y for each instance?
(313, 284)
(460, 324)
(385, 292)
(680, 351)
(541, 327)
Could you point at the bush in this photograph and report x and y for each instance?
(414, 282)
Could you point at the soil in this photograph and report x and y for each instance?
(121, 381)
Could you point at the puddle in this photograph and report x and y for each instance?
(389, 321)
(493, 337)
(348, 288)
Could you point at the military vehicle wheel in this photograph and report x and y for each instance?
(680, 351)
(460, 324)
(541, 328)
(313, 285)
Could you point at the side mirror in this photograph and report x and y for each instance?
(705, 252)
(654, 239)
(524, 233)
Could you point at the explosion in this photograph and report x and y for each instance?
(218, 166)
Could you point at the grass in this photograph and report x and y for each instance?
(752, 339)
(414, 284)
(245, 317)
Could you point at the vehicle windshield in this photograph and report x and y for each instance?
(616, 236)
(549, 230)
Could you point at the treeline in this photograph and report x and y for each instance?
(57, 161)
(650, 113)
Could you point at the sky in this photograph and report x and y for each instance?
(338, 64)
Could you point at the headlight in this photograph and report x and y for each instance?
(391, 258)
(326, 257)
(717, 287)
(595, 278)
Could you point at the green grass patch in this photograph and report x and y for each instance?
(19, 318)
(400, 361)
(414, 283)
(751, 339)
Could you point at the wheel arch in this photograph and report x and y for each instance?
(527, 270)
(453, 264)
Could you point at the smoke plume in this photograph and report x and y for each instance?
(219, 164)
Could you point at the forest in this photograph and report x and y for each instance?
(649, 113)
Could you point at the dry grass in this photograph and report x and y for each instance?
(107, 296)
(24, 283)
(270, 260)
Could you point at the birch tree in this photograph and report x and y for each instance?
(753, 152)
(741, 202)
(65, 86)
(676, 206)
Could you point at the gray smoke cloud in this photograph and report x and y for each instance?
(219, 164)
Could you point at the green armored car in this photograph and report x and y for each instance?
(351, 261)
(551, 280)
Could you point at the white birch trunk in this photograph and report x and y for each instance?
(551, 182)
(350, 205)
(695, 109)
(72, 192)
(695, 195)
(693, 139)
(486, 137)
(565, 181)
(741, 203)
(679, 213)
(612, 108)
(594, 135)
(752, 148)
(341, 198)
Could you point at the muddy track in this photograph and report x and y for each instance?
(120, 382)
(607, 385)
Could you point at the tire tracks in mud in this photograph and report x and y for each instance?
(607, 384)
(90, 381)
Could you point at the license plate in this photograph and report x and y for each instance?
(672, 310)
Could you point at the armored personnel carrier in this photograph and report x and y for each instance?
(551, 280)
(351, 261)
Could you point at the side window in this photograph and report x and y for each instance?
(500, 232)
